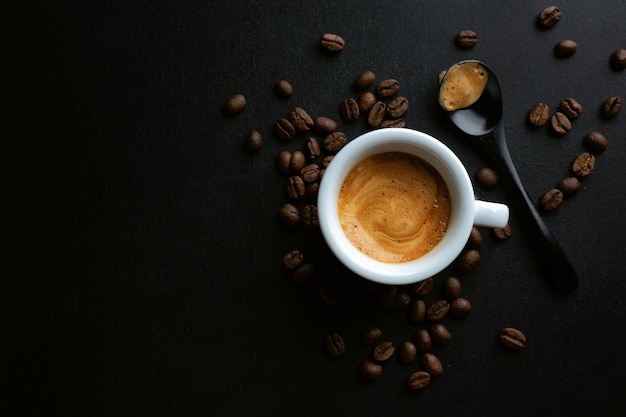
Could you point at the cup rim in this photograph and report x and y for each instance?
(443, 160)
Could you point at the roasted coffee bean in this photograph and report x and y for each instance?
(335, 141)
(324, 125)
(569, 186)
(284, 129)
(300, 119)
(383, 351)
(283, 163)
(467, 261)
(552, 199)
(388, 88)
(312, 148)
(583, 164)
(253, 141)
(618, 59)
(565, 48)
(371, 335)
(349, 110)
(432, 365)
(370, 370)
(327, 160)
(416, 311)
(549, 17)
(422, 340)
(595, 142)
(612, 107)
(560, 123)
(439, 334)
(503, 233)
(402, 301)
(335, 345)
(422, 288)
(297, 161)
(328, 293)
(332, 43)
(397, 123)
(283, 88)
(466, 38)
(512, 338)
(289, 215)
(303, 274)
(475, 239)
(377, 114)
(460, 307)
(451, 288)
(235, 104)
(366, 101)
(387, 297)
(437, 310)
(310, 173)
(364, 80)
(418, 380)
(293, 260)
(487, 178)
(311, 190)
(397, 107)
(295, 187)
(571, 108)
(539, 114)
(309, 219)
(407, 352)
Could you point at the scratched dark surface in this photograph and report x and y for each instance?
(144, 274)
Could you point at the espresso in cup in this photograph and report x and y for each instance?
(394, 207)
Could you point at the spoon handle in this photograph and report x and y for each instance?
(547, 249)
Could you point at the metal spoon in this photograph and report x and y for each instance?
(483, 120)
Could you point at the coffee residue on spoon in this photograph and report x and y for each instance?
(462, 85)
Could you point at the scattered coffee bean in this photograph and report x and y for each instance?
(297, 161)
(311, 190)
(309, 218)
(419, 380)
(283, 163)
(539, 114)
(466, 38)
(235, 104)
(437, 310)
(283, 88)
(293, 260)
(595, 142)
(565, 48)
(349, 110)
(284, 129)
(327, 160)
(364, 80)
(407, 352)
(422, 288)
(560, 123)
(549, 17)
(503, 233)
(313, 148)
(487, 178)
(324, 125)
(366, 101)
(300, 119)
(303, 274)
(383, 351)
(310, 173)
(512, 338)
(439, 334)
(552, 199)
(569, 186)
(416, 311)
(422, 340)
(388, 88)
(401, 302)
(460, 307)
(571, 108)
(612, 107)
(451, 288)
(432, 365)
(335, 141)
(475, 239)
(295, 187)
(397, 107)
(467, 261)
(583, 164)
(253, 141)
(370, 370)
(377, 114)
(618, 59)
(397, 123)
(387, 297)
(289, 215)
(332, 43)
(371, 335)
(335, 345)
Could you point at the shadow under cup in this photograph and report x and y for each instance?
(429, 149)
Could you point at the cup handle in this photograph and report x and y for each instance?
(488, 214)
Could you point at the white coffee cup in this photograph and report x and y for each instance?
(466, 211)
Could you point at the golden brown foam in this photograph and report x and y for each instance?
(462, 85)
(394, 207)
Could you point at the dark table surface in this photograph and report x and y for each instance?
(144, 271)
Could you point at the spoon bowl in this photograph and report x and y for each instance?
(483, 121)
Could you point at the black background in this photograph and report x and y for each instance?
(144, 273)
